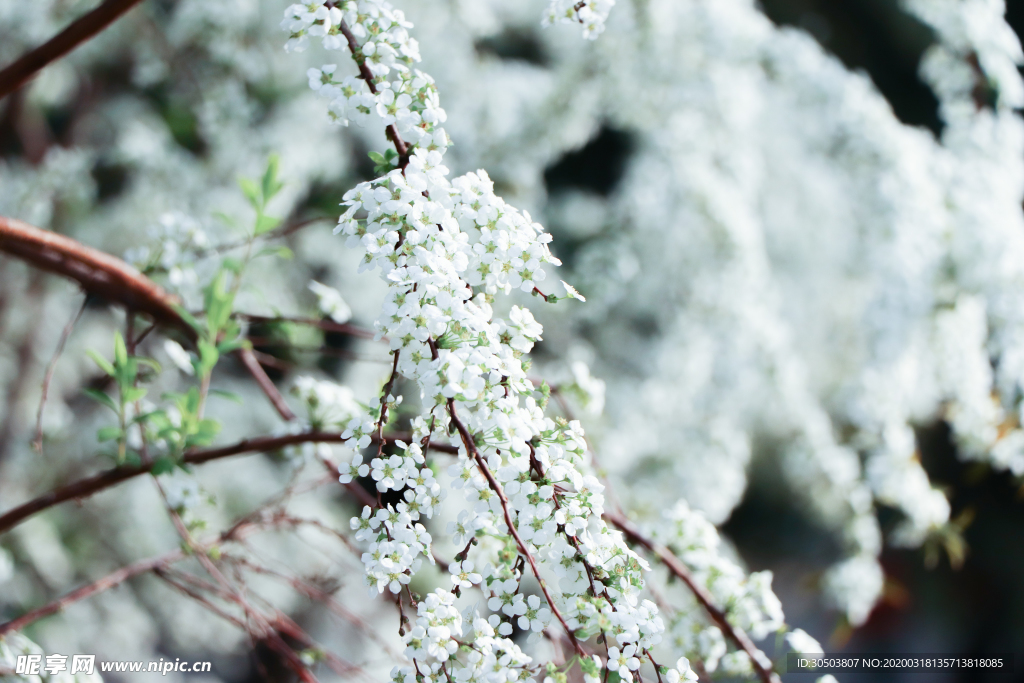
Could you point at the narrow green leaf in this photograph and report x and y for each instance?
(229, 395)
(233, 264)
(133, 394)
(102, 362)
(192, 401)
(265, 224)
(280, 252)
(108, 434)
(120, 350)
(188, 318)
(251, 191)
(270, 183)
(101, 397)
(233, 345)
(148, 362)
(377, 158)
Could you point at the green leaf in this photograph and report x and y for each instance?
(162, 465)
(377, 158)
(148, 362)
(265, 224)
(191, 402)
(208, 357)
(233, 345)
(99, 396)
(102, 362)
(223, 217)
(271, 185)
(108, 434)
(205, 431)
(133, 394)
(229, 395)
(218, 304)
(120, 350)
(188, 318)
(252, 192)
(280, 252)
(232, 264)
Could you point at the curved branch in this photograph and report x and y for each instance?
(82, 29)
(707, 601)
(97, 272)
(84, 488)
(106, 583)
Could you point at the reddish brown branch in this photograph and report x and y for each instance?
(364, 72)
(471, 448)
(84, 488)
(251, 364)
(106, 583)
(97, 272)
(80, 30)
(707, 601)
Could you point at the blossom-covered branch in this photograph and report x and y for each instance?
(707, 601)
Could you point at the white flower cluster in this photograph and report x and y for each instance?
(747, 600)
(397, 95)
(592, 14)
(445, 249)
(329, 406)
(433, 641)
(397, 544)
(177, 237)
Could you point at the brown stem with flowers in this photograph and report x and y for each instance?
(707, 601)
(467, 440)
(364, 72)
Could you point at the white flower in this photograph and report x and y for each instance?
(623, 662)
(463, 575)
(355, 470)
(571, 291)
(800, 642)
(536, 617)
(330, 302)
(179, 356)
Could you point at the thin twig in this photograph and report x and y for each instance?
(79, 31)
(106, 583)
(90, 485)
(248, 358)
(51, 366)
